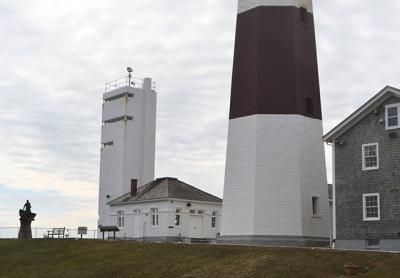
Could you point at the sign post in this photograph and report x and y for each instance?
(82, 231)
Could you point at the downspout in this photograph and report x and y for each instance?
(333, 194)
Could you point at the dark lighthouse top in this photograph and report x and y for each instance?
(275, 67)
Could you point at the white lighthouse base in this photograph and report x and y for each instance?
(275, 167)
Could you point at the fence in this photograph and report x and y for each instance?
(126, 81)
(12, 233)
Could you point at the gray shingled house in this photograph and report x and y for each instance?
(366, 175)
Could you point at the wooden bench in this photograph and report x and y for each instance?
(59, 232)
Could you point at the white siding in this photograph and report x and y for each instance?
(166, 227)
(240, 178)
(275, 164)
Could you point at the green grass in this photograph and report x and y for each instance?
(69, 258)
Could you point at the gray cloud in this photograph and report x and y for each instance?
(56, 56)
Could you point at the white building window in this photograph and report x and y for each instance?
(370, 156)
(214, 219)
(154, 217)
(120, 219)
(371, 207)
(315, 206)
(392, 113)
(200, 211)
(178, 217)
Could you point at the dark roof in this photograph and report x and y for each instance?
(166, 188)
(361, 112)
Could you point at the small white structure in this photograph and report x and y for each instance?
(128, 140)
(166, 210)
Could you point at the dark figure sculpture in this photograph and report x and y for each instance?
(26, 218)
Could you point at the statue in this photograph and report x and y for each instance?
(26, 218)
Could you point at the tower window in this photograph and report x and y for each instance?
(315, 206)
(309, 106)
(303, 15)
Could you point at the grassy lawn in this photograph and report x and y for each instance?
(70, 258)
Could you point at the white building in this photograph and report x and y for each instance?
(128, 140)
(166, 210)
(143, 209)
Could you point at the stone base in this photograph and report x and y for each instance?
(25, 231)
(287, 241)
(360, 244)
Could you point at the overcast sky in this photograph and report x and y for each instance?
(56, 56)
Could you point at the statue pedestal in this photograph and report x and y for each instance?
(25, 231)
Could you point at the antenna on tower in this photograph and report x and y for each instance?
(130, 70)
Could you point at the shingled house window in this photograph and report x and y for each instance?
(309, 106)
(303, 15)
(392, 116)
(370, 156)
(371, 206)
(373, 243)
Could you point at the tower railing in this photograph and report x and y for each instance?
(126, 81)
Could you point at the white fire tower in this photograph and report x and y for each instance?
(127, 139)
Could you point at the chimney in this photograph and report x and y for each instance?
(133, 187)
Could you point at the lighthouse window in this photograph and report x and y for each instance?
(303, 15)
(309, 106)
(315, 206)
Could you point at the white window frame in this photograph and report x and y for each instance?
(154, 217)
(120, 219)
(178, 218)
(363, 157)
(387, 107)
(214, 219)
(365, 218)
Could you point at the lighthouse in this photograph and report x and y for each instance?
(275, 189)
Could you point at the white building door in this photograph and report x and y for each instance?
(137, 225)
(196, 226)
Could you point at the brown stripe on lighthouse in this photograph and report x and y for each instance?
(275, 67)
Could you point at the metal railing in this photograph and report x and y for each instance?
(12, 233)
(126, 81)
